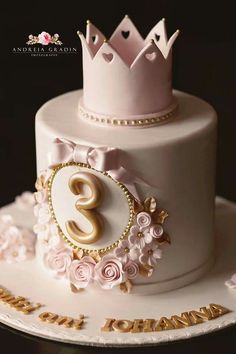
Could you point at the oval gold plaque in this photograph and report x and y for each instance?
(100, 208)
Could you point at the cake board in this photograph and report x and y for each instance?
(29, 280)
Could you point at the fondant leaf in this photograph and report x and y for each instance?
(164, 238)
(95, 255)
(126, 286)
(137, 207)
(162, 215)
(145, 270)
(150, 204)
(74, 289)
(78, 254)
(40, 183)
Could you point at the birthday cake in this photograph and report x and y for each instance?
(126, 168)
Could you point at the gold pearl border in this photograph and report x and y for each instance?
(122, 187)
(125, 122)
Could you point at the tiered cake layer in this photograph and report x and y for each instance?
(177, 160)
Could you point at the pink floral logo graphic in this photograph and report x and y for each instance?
(44, 38)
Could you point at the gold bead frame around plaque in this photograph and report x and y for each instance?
(127, 194)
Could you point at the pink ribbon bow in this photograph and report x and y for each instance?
(100, 158)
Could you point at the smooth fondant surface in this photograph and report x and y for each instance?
(176, 159)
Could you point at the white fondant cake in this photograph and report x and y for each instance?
(177, 160)
(120, 206)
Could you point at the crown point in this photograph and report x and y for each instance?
(88, 22)
(163, 19)
(177, 30)
(105, 40)
(79, 33)
(126, 16)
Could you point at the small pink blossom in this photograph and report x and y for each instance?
(58, 259)
(16, 253)
(8, 237)
(139, 238)
(45, 231)
(42, 231)
(126, 251)
(44, 38)
(16, 244)
(156, 231)
(109, 272)
(81, 272)
(144, 219)
(150, 254)
(132, 269)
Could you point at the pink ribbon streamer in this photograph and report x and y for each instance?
(100, 158)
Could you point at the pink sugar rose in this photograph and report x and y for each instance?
(44, 38)
(109, 272)
(156, 231)
(81, 272)
(132, 269)
(144, 219)
(58, 259)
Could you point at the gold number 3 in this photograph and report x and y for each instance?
(85, 205)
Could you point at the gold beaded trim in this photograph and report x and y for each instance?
(122, 187)
(124, 122)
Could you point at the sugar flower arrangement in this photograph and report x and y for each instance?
(137, 254)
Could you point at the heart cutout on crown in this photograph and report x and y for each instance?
(125, 34)
(108, 56)
(95, 38)
(157, 37)
(151, 56)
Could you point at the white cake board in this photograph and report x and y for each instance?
(27, 279)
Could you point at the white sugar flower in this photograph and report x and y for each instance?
(126, 251)
(139, 238)
(44, 215)
(150, 254)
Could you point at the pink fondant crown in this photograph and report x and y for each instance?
(127, 76)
